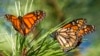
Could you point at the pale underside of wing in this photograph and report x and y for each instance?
(70, 35)
(67, 35)
(67, 39)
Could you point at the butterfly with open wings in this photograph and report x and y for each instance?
(25, 24)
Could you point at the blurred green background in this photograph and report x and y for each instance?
(56, 12)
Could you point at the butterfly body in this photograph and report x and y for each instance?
(70, 35)
(25, 24)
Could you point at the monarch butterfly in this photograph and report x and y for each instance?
(70, 35)
(25, 24)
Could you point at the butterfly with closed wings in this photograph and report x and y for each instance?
(70, 35)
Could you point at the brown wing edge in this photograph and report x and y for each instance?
(10, 18)
(36, 13)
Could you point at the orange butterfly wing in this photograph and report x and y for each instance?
(85, 30)
(25, 24)
(31, 19)
(70, 35)
(75, 24)
(15, 22)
